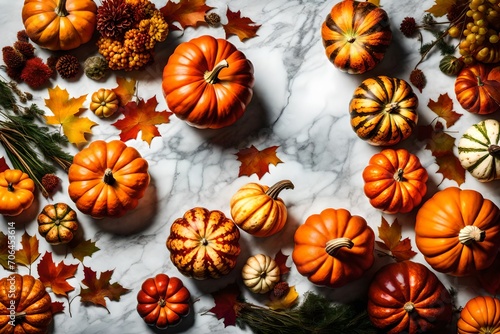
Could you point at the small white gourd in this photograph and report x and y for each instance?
(260, 273)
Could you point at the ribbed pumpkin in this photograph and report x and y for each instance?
(16, 192)
(480, 315)
(406, 297)
(59, 24)
(395, 181)
(57, 223)
(260, 273)
(383, 110)
(104, 103)
(204, 244)
(31, 309)
(258, 210)
(333, 248)
(208, 82)
(356, 35)
(107, 179)
(479, 150)
(477, 88)
(458, 231)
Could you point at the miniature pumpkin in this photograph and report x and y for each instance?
(479, 150)
(24, 300)
(395, 181)
(458, 231)
(57, 223)
(258, 210)
(406, 297)
(59, 24)
(107, 179)
(383, 110)
(260, 273)
(163, 301)
(477, 88)
(204, 244)
(356, 36)
(481, 315)
(208, 82)
(16, 192)
(104, 102)
(333, 248)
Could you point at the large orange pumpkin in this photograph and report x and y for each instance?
(333, 248)
(356, 35)
(25, 305)
(208, 82)
(480, 315)
(16, 192)
(395, 181)
(107, 179)
(458, 231)
(59, 24)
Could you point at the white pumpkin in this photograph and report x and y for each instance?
(479, 150)
(260, 273)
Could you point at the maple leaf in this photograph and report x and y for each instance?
(243, 27)
(65, 110)
(443, 107)
(281, 259)
(451, 168)
(226, 300)
(255, 161)
(4, 251)
(55, 276)
(391, 237)
(56, 307)
(286, 302)
(441, 7)
(141, 117)
(3, 164)
(98, 288)
(188, 13)
(29, 251)
(125, 90)
(83, 249)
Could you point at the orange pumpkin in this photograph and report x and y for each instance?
(383, 110)
(458, 231)
(57, 223)
(356, 36)
(406, 297)
(204, 244)
(59, 24)
(258, 210)
(107, 179)
(208, 82)
(477, 88)
(481, 315)
(25, 305)
(395, 181)
(333, 248)
(163, 301)
(104, 103)
(16, 192)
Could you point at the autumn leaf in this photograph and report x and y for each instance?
(188, 13)
(55, 276)
(281, 259)
(99, 288)
(66, 110)
(3, 164)
(441, 7)
(225, 301)
(490, 278)
(255, 161)
(286, 302)
(243, 27)
(443, 107)
(391, 237)
(375, 2)
(29, 251)
(451, 168)
(83, 249)
(56, 307)
(125, 90)
(4, 252)
(141, 117)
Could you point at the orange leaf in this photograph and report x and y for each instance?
(286, 302)
(83, 249)
(443, 107)
(450, 167)
(281, 259)
(29, 251)
(255, 161)
(441, 7)
(125, 90)
(56, 307)
(98, 288)
(141, 117)
(226, 301)
(55, 276)
(189, 13)
(391, 237)
(65, 110)
(375, 2)
(243, 27)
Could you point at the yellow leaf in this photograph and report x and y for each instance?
(375, 2)
(441, 7)
(286, 302)
(125, 90)
(65, 110)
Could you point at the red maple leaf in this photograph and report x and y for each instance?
(255, 161)
(281, 259)
(226, 302)
(55, 276)
(57, 307)
(243, 27)
(188, 13)
(3, 164)
(391, 237)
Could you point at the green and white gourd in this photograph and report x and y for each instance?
(479, 150)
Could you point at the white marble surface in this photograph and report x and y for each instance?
(300, 104)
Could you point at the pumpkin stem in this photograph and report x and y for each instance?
(398, 176)
(494, 150)
(470, 234)
(61, 8)
(334, 245)
(204, 241)
(275, 189)
(409, 307)
(10, 187)
(479, 81)
(19, 315)
(211, 76)
(162, 302)
(390, 107)
(108, 177)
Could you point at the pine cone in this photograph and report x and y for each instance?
(67, 66)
